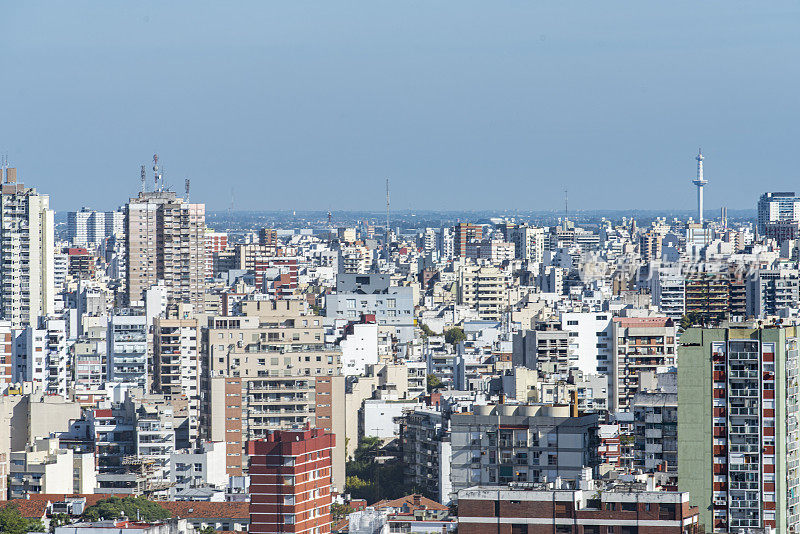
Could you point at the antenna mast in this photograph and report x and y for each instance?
(156, 176)
(186, 183)
(144, 179)
(387, 220)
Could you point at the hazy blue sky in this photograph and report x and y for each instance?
(310, 105)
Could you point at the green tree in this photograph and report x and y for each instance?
(426, 330)
(691, 319)
(12, 522)
(207, 530)
(434, 383)
(58, 520)
(340, 511)
(455, 335)
(138, 508)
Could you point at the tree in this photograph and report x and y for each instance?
(455, 335)
(58, 520)
(138, 508)
(426, 330)
(340, 511)
(12, 522)
(691, 319)
(207, 530)
(434, 383)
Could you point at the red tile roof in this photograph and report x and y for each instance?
(425, 502)
(103, 413)
(32, 509)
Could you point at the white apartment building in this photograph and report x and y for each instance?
(359, 348)
(590, 340)
(26, 255)
(41, 356)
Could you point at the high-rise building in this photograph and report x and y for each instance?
(165, 240)
(88, 228)
(768, 291)
(779, 215)
(290, 482)
(463, 234)
(270, 369)
(177, 363)
(738, 427)
(640, 344)
(503, 443)
(26, 255)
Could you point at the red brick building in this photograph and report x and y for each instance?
(600, 509)
(290, 482)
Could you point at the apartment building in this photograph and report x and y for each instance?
(589, 340)
(42, 356)
(270, 369)
(640, 344)
(165, 240)
(594, 508)
(127, 348)
(425, 441)
(546, 349)
(485, 289)
(27, 280)
(768, 291)
(528, 242)
(503, 443)
(177, 362)
(290, 482)
(44, 467)
(738, 427)
(88, 228)
(371, 294)
(463, 233)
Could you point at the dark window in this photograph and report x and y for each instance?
(666, 511)
(497, 508)
(628, 506)
(519, 529)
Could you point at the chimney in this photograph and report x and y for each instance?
(417, 499)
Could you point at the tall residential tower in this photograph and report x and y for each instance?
(26, 255)
(165, 240)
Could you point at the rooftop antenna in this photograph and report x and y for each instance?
(330, 215)
(387, 220)
(230, 209)
(144, 179)
(155, 171)
(187, 183)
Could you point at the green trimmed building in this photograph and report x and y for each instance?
(738, 426)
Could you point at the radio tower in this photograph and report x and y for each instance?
(144, 180)
(700, 182)
(156, 176)
(187, 189)
(387, 220)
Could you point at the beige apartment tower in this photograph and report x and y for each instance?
(165, 240)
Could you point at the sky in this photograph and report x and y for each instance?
(462, 105)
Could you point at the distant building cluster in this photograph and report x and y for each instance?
(494, 375)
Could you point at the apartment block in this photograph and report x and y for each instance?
(595, 508)
(27, 280)
(484, 288)
(270, 369)
(165, 240)
(738, 426)
(503, 443)
(640, 344)
(290, 482)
